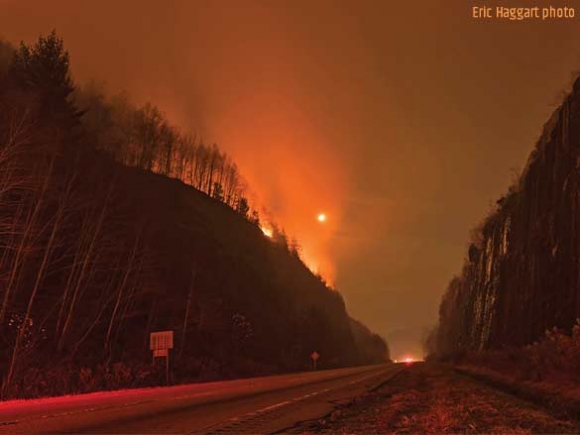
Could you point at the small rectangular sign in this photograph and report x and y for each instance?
(160, 352)
(161, 340)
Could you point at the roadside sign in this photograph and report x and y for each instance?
(160, 342)
(160, 352)
(314, 355)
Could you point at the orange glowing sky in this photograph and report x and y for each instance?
(400, 121)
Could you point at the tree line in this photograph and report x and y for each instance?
(144, 138)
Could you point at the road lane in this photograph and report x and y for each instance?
(255, 405)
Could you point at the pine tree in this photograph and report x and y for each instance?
(44, 69)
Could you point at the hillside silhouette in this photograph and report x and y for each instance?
(113, 225)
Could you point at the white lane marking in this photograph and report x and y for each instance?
(257, 414)
(277, 405)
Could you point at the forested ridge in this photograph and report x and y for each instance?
(114, 224)
(521, 275)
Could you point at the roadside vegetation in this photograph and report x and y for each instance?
(555, 359)
(546, 372)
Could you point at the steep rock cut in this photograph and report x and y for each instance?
(522, 271)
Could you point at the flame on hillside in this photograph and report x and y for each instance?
(267, 232)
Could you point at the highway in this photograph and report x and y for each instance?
(256, 405)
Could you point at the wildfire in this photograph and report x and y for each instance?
(306, 235)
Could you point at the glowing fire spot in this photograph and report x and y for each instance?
(409, 360)
(321, 217)
(267, 232)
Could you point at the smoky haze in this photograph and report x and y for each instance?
(402, 122)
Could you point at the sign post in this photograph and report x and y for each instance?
(314, 357)
(160, 343)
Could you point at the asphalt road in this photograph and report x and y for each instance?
(256, 405)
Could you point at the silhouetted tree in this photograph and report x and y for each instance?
(242, 207)
(44, 69)
(294, 247)
(255, 217)
(218, 191)
(6, 54)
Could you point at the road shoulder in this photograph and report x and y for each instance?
(429, 398)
